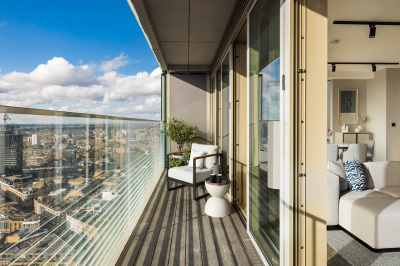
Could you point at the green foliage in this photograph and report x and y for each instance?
(187, 154)
(180, 132)
(174, 162)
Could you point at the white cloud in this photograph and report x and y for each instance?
(113, 64)
(153, 100)
(60, 85)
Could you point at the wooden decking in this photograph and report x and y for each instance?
(174, 230)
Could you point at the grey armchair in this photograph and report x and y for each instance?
(332, 152)
(370, 149)
(358, 151)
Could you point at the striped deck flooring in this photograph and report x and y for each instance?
(174, 230)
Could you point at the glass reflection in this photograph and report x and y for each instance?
(264, 27)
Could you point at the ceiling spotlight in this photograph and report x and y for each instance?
(372, 30)
(373, 68)
(372, 24)
(333, 67)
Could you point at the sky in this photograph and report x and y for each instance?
(80, 56)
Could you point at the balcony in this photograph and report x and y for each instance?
(174, 230)
(100, 197)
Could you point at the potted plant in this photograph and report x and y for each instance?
(180, 132)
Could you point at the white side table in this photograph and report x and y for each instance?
(218, 205)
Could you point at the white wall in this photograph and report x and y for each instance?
(393, 114)
(188, 101)
(376, 113)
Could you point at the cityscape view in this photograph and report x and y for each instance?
(62, 183)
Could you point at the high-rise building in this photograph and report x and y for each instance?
(11, 150)
(36, 139)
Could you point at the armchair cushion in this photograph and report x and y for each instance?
(185, 174)
(199, 162)
(208, 149)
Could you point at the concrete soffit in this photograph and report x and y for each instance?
(190, 35)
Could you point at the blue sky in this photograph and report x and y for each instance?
(84, 56)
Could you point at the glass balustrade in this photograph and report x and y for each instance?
(73, 186)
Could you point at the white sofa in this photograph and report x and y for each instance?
(372, 215)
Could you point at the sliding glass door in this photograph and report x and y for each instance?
(264, 122)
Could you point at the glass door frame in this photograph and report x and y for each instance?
(228, 54)
(287, 195)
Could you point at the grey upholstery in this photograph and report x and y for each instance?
(372, 215)
(370, 149)
(332, 198)
(358, 151)
(332, 152)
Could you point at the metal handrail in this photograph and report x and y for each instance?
(33, 111)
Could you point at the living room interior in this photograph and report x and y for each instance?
(363, 205)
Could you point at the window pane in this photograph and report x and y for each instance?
(264, 126)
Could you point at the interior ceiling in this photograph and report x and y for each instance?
(354, 43)
(184, 32)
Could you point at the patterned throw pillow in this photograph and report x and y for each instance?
(355, 175)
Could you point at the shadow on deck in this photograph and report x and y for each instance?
(174, 230)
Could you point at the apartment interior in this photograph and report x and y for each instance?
(371, 91)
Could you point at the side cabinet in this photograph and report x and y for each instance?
(352, 137)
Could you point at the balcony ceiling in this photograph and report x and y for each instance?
(354, 43)
(184, 34)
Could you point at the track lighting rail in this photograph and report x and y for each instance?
(386, 23)
(372, 25)
(373, 64)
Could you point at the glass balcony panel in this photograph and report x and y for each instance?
(81, 187)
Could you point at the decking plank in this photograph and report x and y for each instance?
(236, 243)
(177, 249)
(175, 230)
(193, 243)
(164, 229)
(208, 245)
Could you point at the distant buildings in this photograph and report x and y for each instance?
(46, 209)
(20, 189)
(36, 139)
(82, 224)
(11, 220)
(11, 150)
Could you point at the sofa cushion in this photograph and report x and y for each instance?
(209, 149)
(382, 174)
(391, 191)
(185, 173)
(337, 168)
(372, 216)
(355, 175)
(199, 162)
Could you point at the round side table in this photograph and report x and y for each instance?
(217, 205)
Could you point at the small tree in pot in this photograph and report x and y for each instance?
(180, 132)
